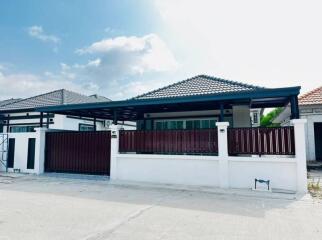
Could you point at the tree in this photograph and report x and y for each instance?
(267, 120)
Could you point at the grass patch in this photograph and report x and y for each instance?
(314, 188)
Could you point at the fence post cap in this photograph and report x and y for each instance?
(296, 121)
(222, 124)
(115, 127)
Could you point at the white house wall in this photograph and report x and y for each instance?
(311, 117)
(241, 116)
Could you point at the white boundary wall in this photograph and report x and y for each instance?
(287, 173)
(205, 170)
(21, 151)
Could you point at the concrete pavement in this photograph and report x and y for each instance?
(46, 207)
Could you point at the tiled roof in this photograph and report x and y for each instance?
(199, 85)
(311, 98)
(99, 98)
(9, 101)
(58, 97)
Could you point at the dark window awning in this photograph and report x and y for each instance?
(133, 109)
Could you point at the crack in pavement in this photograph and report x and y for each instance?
(105, 234)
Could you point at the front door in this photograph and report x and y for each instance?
(318, 141)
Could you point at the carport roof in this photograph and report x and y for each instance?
(133, 109)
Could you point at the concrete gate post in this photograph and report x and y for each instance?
(40, 150)
(114, 150)
(223, 154)
(300, 154)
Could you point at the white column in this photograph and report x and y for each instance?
(40, 150)
(114, 150)
(223, 154)
(300, 153)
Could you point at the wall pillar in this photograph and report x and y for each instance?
(40, 150)
(223, 154)
(114, 150)
(300, 154)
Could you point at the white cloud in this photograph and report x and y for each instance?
(274, 43)
(137, 54)
(38, 33)
(117, 68)
(19, 85)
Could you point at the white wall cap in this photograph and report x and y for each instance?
(222, 124)
(295, 121)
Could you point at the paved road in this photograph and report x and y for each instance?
(59, 208)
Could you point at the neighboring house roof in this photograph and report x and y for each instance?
(99, 98)
(9, 101)
(313, 97)
(198, 85)
(58, 97)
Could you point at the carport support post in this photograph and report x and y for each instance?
(114, 150)
(40, 150)
(300, 154)
(223, 154)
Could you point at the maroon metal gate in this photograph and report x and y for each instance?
(78, 152)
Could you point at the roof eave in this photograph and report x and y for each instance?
(18, 110)
(261, 93)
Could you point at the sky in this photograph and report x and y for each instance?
(120, 49)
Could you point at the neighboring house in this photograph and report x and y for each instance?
(310, 107)
(238, 115)
(19, 115)
(4, 103)
(19, 120)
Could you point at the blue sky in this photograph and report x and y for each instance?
(123, 48)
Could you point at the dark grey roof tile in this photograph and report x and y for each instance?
(58, 97)
(199, 85)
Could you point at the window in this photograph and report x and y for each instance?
(185, 124)
(255, 117)
(85, 127)
(17, 129)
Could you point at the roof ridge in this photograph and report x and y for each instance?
(79, 94)
(230, 81)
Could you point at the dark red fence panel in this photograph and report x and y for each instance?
(271, 141)
(199, 141)
(78, 152)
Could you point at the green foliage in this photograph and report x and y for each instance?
(267, 120)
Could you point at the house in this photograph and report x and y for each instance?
(310, 107)
(19, 120)
(20, 115)
(194, 132)
(242, 114)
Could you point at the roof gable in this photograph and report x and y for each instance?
(199, 85)
(58, 97)
(313, 97)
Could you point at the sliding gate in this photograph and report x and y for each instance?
(78, 152)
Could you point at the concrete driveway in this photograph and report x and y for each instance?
(48, 207)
